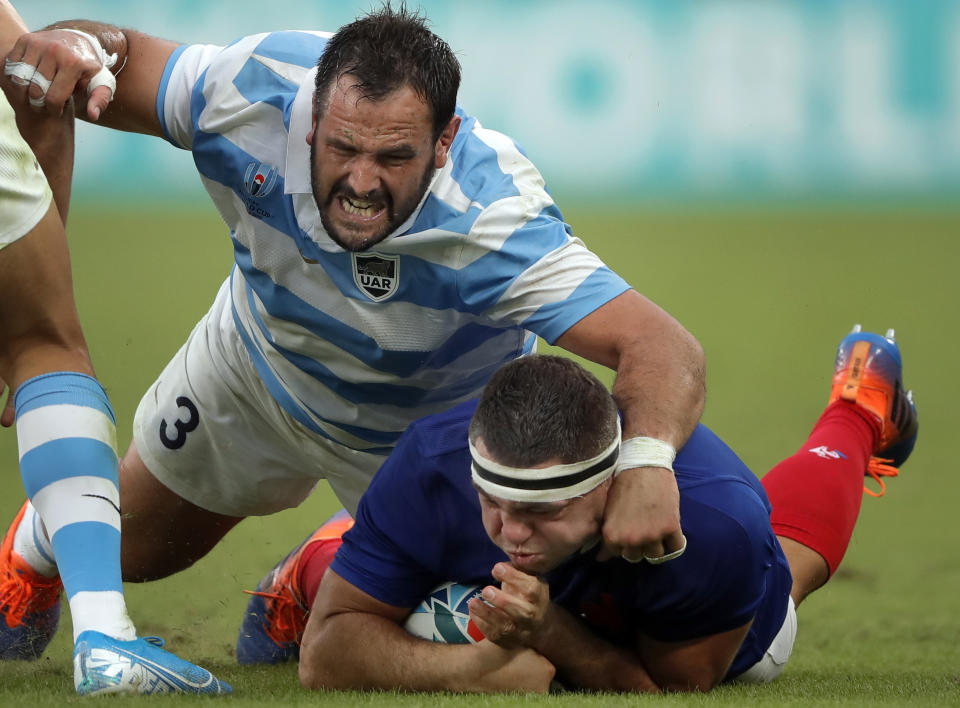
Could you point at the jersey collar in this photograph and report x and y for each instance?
(296, 177)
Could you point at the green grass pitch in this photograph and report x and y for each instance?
(769, 292)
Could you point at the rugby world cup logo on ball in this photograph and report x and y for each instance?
(444, 617)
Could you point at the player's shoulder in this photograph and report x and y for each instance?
(442, 433)
(714, 481)
(276, 61)
(489, 166)
(296, 47)
(431, 457)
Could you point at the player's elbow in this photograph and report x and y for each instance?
(315, 675)
(317, 671)
(696, 371)
(690, 353)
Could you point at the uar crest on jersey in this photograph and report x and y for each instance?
(376, 275)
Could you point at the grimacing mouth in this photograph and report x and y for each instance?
(360, 207)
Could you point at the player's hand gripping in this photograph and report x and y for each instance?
(514, 613)
(642, 517)
(46, 68)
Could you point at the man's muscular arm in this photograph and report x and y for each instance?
(522, 615)
(353, 641)
(660, 390)
(69, 62)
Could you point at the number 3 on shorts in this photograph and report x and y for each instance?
(183, 426)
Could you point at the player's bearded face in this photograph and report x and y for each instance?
(371, 161)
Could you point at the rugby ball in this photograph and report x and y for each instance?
(444, 617)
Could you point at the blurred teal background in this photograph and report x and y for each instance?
(627, 101)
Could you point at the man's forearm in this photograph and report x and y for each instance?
(660, 366)
(660, 386)
(354, 641)
(360, 651)
(584, 660)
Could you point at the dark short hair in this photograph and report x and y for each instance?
(386, 50)
(542, 407)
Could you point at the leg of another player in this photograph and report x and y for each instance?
(162, 532)
(816, 494)
(66, 434)
(869, 427)
(276, 616)
(65, 425)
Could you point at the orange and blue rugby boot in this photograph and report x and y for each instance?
(276, 615)
(869, 372)
(29, 603)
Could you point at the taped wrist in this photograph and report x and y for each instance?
(645, 452)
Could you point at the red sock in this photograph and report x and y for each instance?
(314, 562)
(816, 493)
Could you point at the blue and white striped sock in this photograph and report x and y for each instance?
(66, 433)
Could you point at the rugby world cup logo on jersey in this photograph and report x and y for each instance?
(376, 275)
(259, 179)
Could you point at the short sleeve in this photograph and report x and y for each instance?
(180, 91)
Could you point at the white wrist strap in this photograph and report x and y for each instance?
(103, 77)
(645, 452)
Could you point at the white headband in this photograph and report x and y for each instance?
(546, 484)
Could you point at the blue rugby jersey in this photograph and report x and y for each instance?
(419, 525)
(357, 346)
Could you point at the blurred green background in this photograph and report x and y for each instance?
(770, 173)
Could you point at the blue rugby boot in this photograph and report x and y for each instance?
(276, 615)
(103, 665)
(868, 371)
(29, 603)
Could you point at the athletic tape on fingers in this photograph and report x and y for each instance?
(19, 72)
(104, 77)
(24, 74)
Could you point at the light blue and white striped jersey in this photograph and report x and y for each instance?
(356, 346)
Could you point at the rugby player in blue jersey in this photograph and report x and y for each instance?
(390, 254)
(65, 425)
(508, 493)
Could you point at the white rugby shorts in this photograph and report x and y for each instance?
(25, 195)
(209, 430)
(777, 654)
